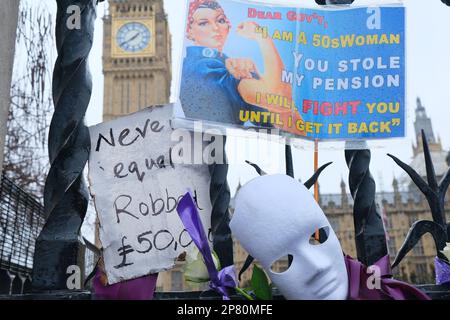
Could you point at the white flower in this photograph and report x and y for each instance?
(446, 251)
(195, 269)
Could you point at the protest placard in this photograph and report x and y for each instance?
(315, 73)
(136, 185)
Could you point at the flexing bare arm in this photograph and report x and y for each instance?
(270, 82)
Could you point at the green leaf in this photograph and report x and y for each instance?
(260, 284)
(244, 293)
(216, 260)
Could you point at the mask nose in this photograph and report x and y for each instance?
(316, 262)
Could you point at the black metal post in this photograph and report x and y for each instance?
(66, 196)
(289, 161)
(370, 235)
(220, 218)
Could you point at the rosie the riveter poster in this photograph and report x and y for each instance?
(318, 73)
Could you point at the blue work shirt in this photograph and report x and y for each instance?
(208, 91)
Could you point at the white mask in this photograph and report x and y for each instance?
(274, 217)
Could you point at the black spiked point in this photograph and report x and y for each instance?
(418, 229)
(308, 184)
(431, 174)
(435, 195)
(257, 168)
(246, 265)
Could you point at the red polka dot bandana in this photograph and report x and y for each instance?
(198, 4)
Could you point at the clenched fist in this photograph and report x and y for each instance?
(241, 68)
(248, 30)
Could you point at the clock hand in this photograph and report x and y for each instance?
(131, 39)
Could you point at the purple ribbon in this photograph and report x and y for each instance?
(219, 281)
(389, 289)
(141, 288)
(442, 271)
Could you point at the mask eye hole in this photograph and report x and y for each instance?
(282, 264)
(320, 236)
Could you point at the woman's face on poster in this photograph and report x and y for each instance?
(209, 28)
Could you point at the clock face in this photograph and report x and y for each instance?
(133, 37)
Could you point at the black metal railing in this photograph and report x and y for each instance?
(21, 221)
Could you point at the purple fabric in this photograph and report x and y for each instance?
(442, 271)
(136, 289)
(219, 281)
(389, 289)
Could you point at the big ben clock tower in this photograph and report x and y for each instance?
(136, 57)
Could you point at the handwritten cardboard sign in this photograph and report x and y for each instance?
(136, 188)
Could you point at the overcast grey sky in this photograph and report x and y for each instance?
(428, 66)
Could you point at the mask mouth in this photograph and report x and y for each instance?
(329, 285)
